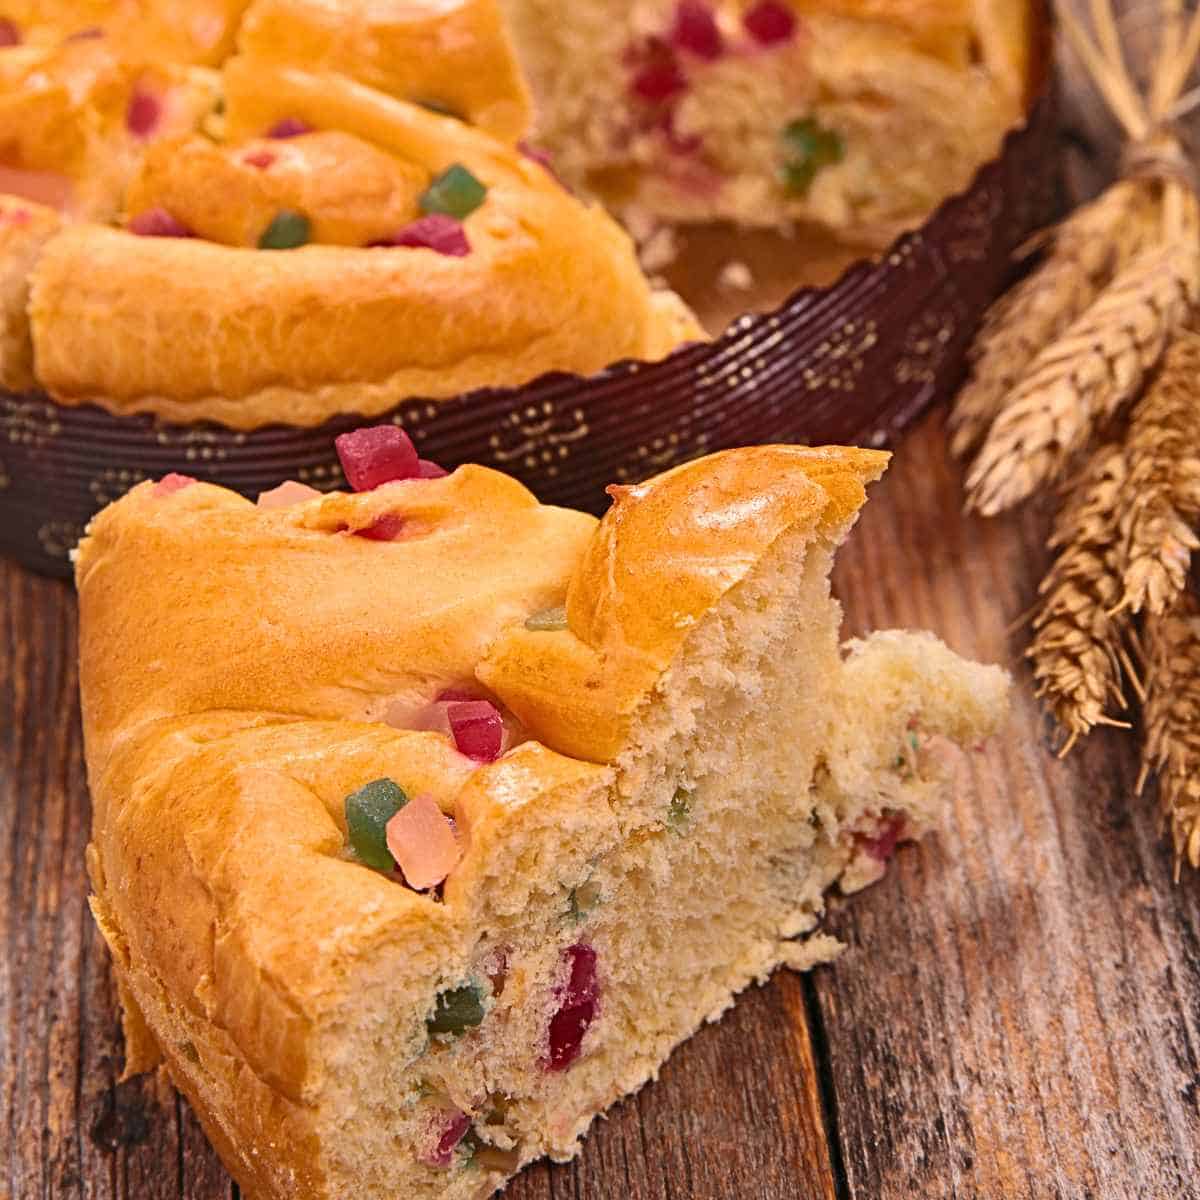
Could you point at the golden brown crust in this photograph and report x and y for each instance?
(457, 55)
(664, 554)
(24, 229)
(550, 284)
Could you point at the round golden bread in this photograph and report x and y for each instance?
(340, 219)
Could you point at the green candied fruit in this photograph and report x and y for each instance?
(455, 192)
(549, 620)
(367, 813)
(457, 1010)
(286, 231)
(679, 813)
(811, 146)
(584, 899)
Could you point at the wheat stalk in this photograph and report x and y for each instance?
(1157, 535)
(1077, 649)
(1086, 376)
(1087, 249)
(1171, 715)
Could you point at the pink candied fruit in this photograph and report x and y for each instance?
(658, 81)
(477, 729)
(421, 838)
(286, 495)
(376, 455)
(695, 30)
(157, 222)
(289, 127)
(169, 484)
(447, 1135)
(769, 23)
(10, 34)
(437, 231)
(578, 1004)
(883, 844)
(143, 114)
(383, 529)
(430, 470)
(261, 159)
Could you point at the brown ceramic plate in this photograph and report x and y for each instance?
(854, 362)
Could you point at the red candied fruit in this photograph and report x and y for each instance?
(578, 1004)
(10, 35)
(143, 114)
(383, 529)
(658, 81)
(289, 127)
(477, 728)
(441, 1153)
(437, 231)
(770, 23)
(157, 222)
(695, 30)
(882, 846)
(376, 455)
(430, 470)
(168, 485)
(261, 159)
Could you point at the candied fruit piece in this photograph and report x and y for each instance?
(770, 23)
(658, 81)
(287, 231)
(383, 529)
(286, 495)
(143, 114)
(477, 729)
(548, 620)
(811, 146)
(450, 1132)
(376, 455)
(454, 193)
(421, 839)
(883, 844)
(10, 34)
(158, 222)
(289, 127)
(456, 1010)
(679, 812)
(695, 30)
(578, 1004)
(435, 231)
(168, 485)
(430, 470)
(368, 812)
(261, 159)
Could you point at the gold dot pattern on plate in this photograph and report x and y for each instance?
(969, 243)
(28, 422)
(59, 538)
(839, 361)
(539, 436)
(325, 477)
(113, 483)
(199, 445)
(925, 348)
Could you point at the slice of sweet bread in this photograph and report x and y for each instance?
(428, 819)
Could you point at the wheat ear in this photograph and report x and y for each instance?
(1172, 722)
(1157, 525)
(1086, 250)
(1077, 649)
(1086, 376)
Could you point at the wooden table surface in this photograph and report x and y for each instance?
(1018, 1013)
